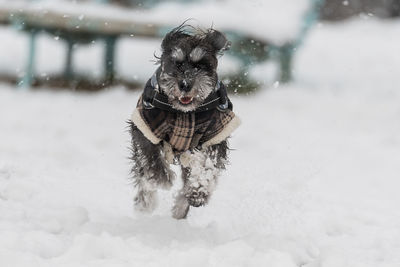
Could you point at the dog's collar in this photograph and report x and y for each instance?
(153, 98)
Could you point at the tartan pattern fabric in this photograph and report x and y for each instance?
(185, 130)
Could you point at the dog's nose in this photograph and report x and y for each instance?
(185, 86)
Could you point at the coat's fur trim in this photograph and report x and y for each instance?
(225, 133)
(143, 127)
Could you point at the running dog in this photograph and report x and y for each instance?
(183, 117)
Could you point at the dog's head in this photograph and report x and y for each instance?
(188, 72)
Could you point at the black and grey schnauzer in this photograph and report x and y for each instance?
(183, 117)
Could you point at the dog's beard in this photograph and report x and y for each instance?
(202, 87)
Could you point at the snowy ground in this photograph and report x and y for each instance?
(313, 180)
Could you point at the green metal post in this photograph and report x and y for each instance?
(109, 58)
(286, 60)
(27, 80)
(68, 72)
(286, 52)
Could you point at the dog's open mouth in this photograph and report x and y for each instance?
(186, 100)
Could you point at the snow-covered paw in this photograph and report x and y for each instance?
(197, 196)
(181, 207)
(146, 201)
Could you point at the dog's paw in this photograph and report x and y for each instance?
(181, 206)
(197, 196)
(146, 201)
(180, 211)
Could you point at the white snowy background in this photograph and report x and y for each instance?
(313, 179)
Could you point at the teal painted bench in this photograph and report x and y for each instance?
(77, 29)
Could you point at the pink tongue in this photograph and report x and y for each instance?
(185, 100)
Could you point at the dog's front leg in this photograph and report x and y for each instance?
(202, 177)
(181, 206)
(200, 171)
(150, 170)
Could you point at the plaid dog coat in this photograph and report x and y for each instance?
(185, 130)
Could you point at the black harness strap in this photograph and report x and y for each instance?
(153, 99)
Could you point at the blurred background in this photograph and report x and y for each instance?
(92, 44)
(314, 168)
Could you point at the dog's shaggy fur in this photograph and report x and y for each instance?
(187, 75)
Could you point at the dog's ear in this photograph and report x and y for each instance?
(217, 40)
(168, 40)
(172, 38)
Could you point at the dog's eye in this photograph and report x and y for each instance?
(202, 64)
(178, 63)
